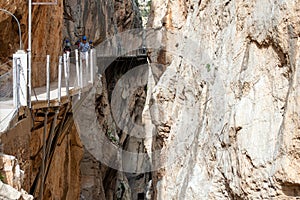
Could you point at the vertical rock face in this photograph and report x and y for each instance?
(232, 117)
(46, 20)
(62, 159)
(53, 23)
(9, 36)
(71, 172)
(99, 19)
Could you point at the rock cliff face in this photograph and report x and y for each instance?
(45, 21)
(70, 171)
(12, 176)
(98, 20)
(9, 36)
(224, 105)
(232, 116)
(51, 24)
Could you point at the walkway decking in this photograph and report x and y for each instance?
(8, 113)
(39, 98)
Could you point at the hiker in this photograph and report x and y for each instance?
(67, 47)
(144, 50)
(91, 44)
(77, 43)
(83, 48)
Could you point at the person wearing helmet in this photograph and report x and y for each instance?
(91, 44)
(77, 43)
(67, 47)
(84, 48)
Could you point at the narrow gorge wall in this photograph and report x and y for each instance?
(224, 104)
(232, 116)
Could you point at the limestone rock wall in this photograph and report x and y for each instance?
(232, 117)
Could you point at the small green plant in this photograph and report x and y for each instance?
(1, 176)
(208, 67)
(113, 138)
(109, 131)
(110, 136)
(137, 3)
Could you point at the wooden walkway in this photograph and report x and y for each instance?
(8, 113)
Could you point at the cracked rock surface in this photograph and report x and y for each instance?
(232, 117)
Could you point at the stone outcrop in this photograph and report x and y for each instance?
(11, 179)
(231, 119)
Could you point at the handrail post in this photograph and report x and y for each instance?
(66, 74)
(20, 97)
(77, 67)
(48, 80)
(80, 72)
(92, 65)
(86, 67)
(59, 79)
(68, 69)
(29, 85)
(17, 81)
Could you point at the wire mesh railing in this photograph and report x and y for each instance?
(20, 82)
(6, 86)
(6, 82)
(7, 109)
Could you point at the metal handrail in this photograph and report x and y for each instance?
(20, 34)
